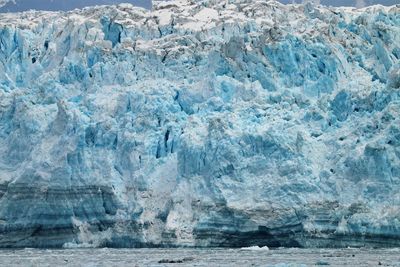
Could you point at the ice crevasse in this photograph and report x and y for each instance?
(200, 123)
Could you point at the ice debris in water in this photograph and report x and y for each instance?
(256, 248)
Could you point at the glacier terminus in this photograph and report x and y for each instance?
(205, 123)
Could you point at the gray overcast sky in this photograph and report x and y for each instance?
(21, 5)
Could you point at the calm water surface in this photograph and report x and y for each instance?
(200, 257)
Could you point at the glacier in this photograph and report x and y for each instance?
(200, 124)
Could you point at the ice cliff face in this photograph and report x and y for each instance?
(208, 123)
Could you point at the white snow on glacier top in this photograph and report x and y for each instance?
(188, 15)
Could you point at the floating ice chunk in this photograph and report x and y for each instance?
(256, 248)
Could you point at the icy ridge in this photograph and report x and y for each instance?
(200, 123)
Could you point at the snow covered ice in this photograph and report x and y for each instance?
(200, 123)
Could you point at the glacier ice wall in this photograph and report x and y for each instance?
(200, 123)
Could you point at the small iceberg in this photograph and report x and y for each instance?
(73, 245)
(256, 248)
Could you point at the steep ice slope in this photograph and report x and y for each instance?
(208, 123)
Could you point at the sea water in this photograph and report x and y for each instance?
(200, 257)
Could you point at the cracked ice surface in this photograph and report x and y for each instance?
(200, 123)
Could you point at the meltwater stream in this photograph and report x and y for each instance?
(201, 257)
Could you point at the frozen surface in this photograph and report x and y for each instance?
(201, 257)
(200, 123)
